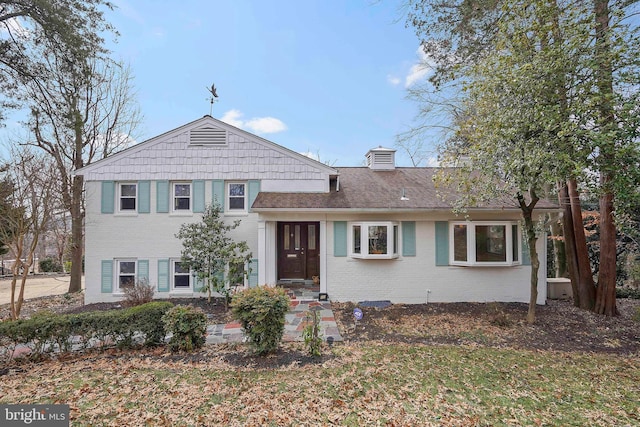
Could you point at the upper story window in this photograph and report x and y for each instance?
(127, 196)
(374, 240)
(237, 196)
(126, 273)
(484, 243)
(181, 197)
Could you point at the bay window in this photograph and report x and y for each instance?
(484, 243)
(374, 240)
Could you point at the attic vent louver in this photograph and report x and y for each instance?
(208, 136)
(381, 158)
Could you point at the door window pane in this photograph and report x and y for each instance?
(286, 237)
(311, 237)
(297, 237)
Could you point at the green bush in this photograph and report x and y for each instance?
(47, 332)
(188, 326)
(261, 312)
(50, 265)
(628, 293)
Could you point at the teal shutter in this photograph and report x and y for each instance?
(254, 189)
(107, 277)
(198, 283)
(198, 196)
(108, 197)
(144, 197)
(143, 270)
(218, 193)
(163, 275)
(408, 238)
(253, 275)
(339, 238)
(442, 243)
(162, 196)
(526, 259)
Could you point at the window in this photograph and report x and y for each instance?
(484, 243)
(126, 272)
(182, 197)
(181, 276)
(375, 240)
(127, 197)
(237, 196)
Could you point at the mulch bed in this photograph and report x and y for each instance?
(559, 325)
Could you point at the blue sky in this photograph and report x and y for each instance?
(326, 77)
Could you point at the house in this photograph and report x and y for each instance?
(376, 232)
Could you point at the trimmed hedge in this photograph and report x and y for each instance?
(47, 332)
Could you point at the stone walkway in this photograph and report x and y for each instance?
(295, 321)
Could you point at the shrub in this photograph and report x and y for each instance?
(50, 265)
(47, 332)
(188, 326)
(140, 293)
(636, 316)
(311, 334)
(261, 312)
(627, 293)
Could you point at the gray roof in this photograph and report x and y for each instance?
(361, 188)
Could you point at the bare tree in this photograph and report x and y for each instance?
(27, 214)
(72, 26)
(80, 112)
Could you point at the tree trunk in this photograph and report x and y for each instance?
(585, 286)
(77, 235)
(569, 241)
(77, 203)
(530, 234)
(606, 293)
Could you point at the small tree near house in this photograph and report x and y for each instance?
(209, 252)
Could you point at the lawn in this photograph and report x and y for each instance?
(354, 384)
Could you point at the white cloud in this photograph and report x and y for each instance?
(420, 70)
(395, 81)
(233, 118)
(259, 125)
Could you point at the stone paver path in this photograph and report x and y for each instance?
(295, 321)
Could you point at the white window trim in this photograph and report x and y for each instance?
(471, 244)
(119, 200)
(172, 273)
(392, 228)
(117, 262)
(173, 198)
(228, 198)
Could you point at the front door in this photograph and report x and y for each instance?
(298, 250)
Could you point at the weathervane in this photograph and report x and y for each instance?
(213, 98)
